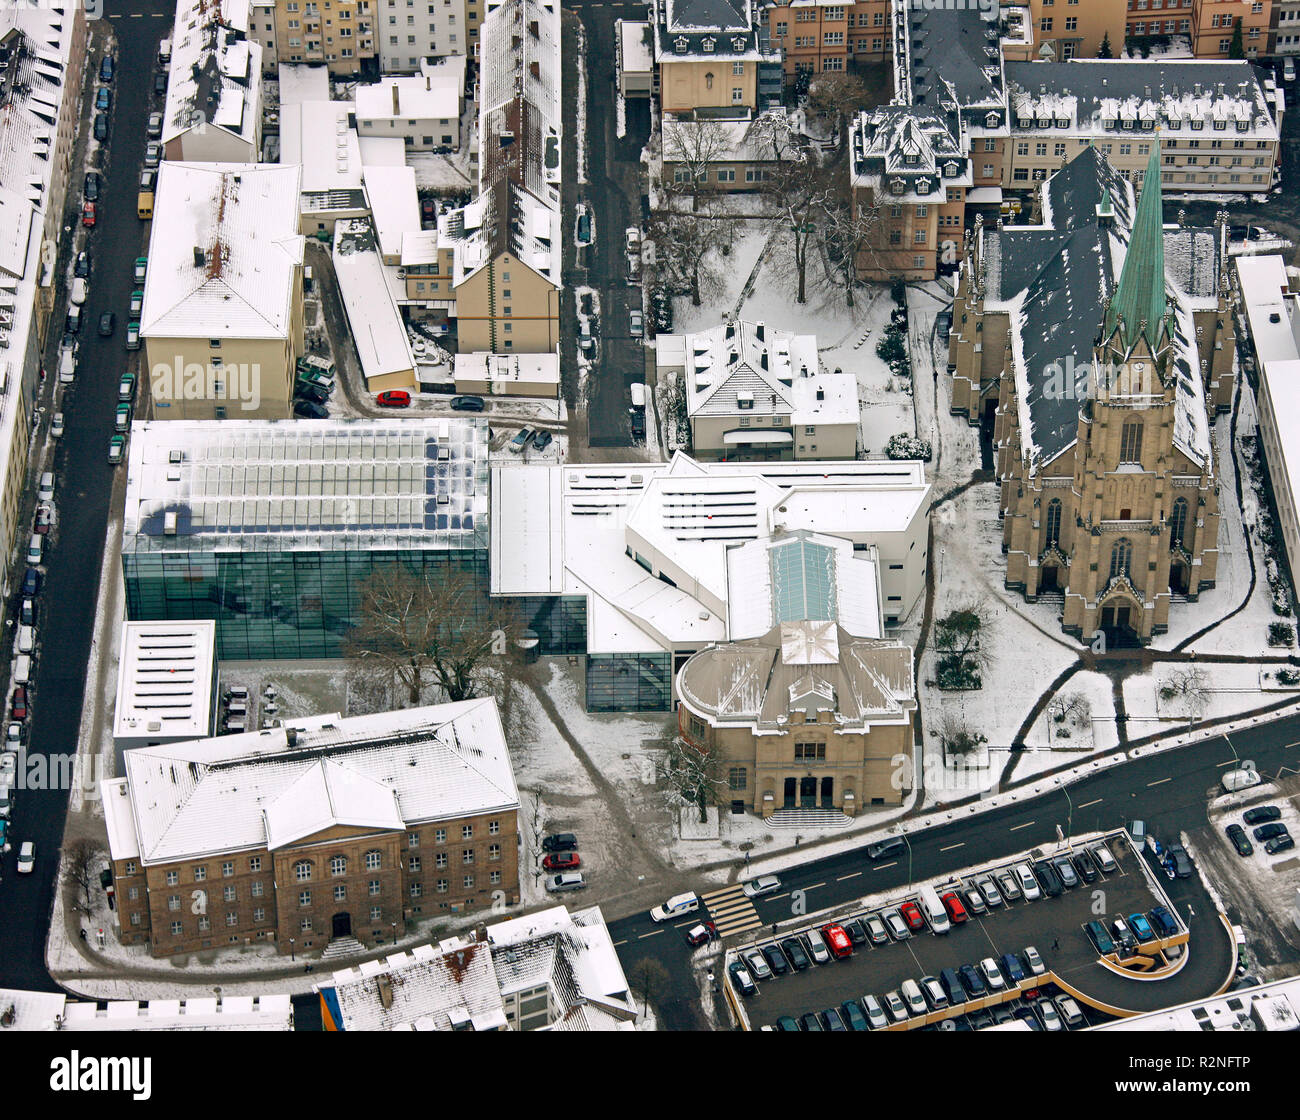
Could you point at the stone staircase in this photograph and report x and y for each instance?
(808, 819)
(342, 947)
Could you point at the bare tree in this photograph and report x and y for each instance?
(799, 194)
(772, 137)
(694, 774)
(1189, 683)
(837, 94)
(648, 978)
(850, 230)
(956, 736)
(1073, 706)
(81, 863)
(423, 629)
(689, 252)
(959, 640)
(695, 147)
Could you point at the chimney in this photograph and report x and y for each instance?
(516, 41)
(763, 360)
(291, 736)
(758, 330)
(385, 985)
(397, 111)
(428, 81)
(821, 394)
(200, 259)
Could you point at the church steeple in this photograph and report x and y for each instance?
(1138, 308)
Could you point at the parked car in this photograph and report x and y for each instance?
(79, 291)
(26, 857)
(27, 612)
(989, 889)
(876, 930)
(632, 239)
(91, 187)
(775, 960)
(1282, 843)
(1010, 887)
(160, 85)
(741, 979)
(106, 68)
(1262, 814)
(1163, 921)
(1046, 874)
(304, 391)
(1069, 1011)
(310, 410)
(756, 964)
(837, 941)
(701, 934)
(44, 518)
(560, 842)
(88, 215)
(1240, 840)
(1123, 935)
(101, 127)
(103, 99)
(1065, 869)
(764, 884)
(467, 404)
(875, 1012)
(133, 336)
(31, 586)
(992, 974)
(934, 994)
(787, 1023)
(153, 129)
(1025, 1013)
(956, 911)
(126, 387)
(1028, 884)
(1104, 859)
(152, 153)
(817, 948)
(972, 981)
(1099, 937)
(1034, 961)
(1141, 928)
(107, 324)
(974, 901)
(896, 925)
(18, 703)
(884, 849)
(1050, 1016)
(567, 881)
(912, 916)
(852, 1015)
(562, 861)
(122, 418)
(136, 306)
(912, 995)
(795, 954)
(542, 440)
(856, 930)
(895, 1006)
(521, 440)
(636, 325)
(1012, 969)
(831, 1020)
(139, 269)
(1086, 866)
(394, 398)
(81, 267)
(1269, 831)
(35, 549)
(116, 448)
(1180, 862)
(810, 1022)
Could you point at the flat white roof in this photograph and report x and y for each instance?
(316, 135)
(483, 366)
(394, 204)
(1269, 306)
(300, 83)
(637, 53)
(376, 323)
(434, 95)
(164, 680)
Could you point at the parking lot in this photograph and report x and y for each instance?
(1054, 926)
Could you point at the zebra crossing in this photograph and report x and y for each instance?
(731, 911)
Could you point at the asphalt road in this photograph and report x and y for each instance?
(85, 483)
(1168, 790)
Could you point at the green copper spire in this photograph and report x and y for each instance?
(1140, 297)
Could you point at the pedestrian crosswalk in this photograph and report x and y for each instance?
(731, 911)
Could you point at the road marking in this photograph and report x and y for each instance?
(1158, 782)
(1086, 804)
(1230, 762)
(844, 877)
(882, 866)
(618, 943)
(1018, 827)
(1288, 746)
(652, 933)
(813, 887)
(953, 847)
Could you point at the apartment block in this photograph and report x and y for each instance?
(339, 33)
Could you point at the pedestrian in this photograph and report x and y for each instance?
(1056, 943)
(82, 931)
(1190, 912)
(773, 929)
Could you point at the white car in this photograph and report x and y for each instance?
(992, 974)
(14, 737)
(8, 762)
(817, 946)
(1069, 1011)
(633, 238)
(1035, 962)
(676, 907)
(636, 326)
(1050, 1016)
(991, 894)
(1239, 779)
(1028, 884)
(569, 881)
(79, 291)
(26, 858)
(56, 426)
(764, 884)
(894, 1005)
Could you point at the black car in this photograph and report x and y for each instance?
(160, 85)
(795, 952)
(92, 186)
(810, 1022)
(1047, 876)
(106, 69)
(852, 1015)
(31, 582)
(882, 849)
(1026, 1014)
(831, 1020)
(1181, 862)
(82, 268)
(101, 126)
(1262, 815)
(776, 960)
(1280, 844)
(1269, 831)
(741, 979)
(856, 933)
(560, 842)
(304, 390)
(1240, 840)
(310, 410)
(971, 980)
(467, 404)
(787, 1023)
(542, 440)
(72, 321)
(1086, 865)
(107, 324)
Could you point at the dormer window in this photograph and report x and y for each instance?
(1149, 124)
(1127, 123)
(992, 120)
(911, 159)
(1108, 122)
(897, 186)
(1197, 126)
(1219, 126)
(923, 186)
(709, 44)
(745, 401)
(1044, 122)
(1024, 122)
(950, 170)
(1242, 126)
(1062, 122)
(1175, 122)
(680, 44)
(738, 45)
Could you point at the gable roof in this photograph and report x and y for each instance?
(324, 796)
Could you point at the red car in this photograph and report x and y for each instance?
(20, 702)
(562, 861)
(838, 941)
(88, 214)
(44, 517)
(912, 916)
(956, 911)
(702, 933)
(394, 398)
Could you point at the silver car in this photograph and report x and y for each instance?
(990, 892)
(1010, 888)
(894, 1005)
(569, 881)
(756, 964)
(897, 927)
(764, 884)
(875, 1013)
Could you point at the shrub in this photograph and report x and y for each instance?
(1288, 676)
(1280, 633)
(903, 446)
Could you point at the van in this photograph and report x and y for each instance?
(934, 910)
(45, 488)
(952, 986)
(1288, 69)
(23, 666)
(910, 990)
(1028, 884)
(676, 907)
(883, 849)
(26, 642)
(1239, 779)
(164, 53)
(234, 724)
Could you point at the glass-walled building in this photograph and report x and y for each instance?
(272, 527)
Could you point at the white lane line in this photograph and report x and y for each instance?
(1158, 782)
(1018, 827)
(1086, 804)
(882, 866)
(652, 933)
(953, 847)
(842, 878)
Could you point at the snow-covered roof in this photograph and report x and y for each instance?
(165, 679)
(504, 219)
(298, 82)
(949, 55)
(700, 30)
(570, 533)
(224, 252)
(215, 71)
(508, 369)
(909, 153)
(433, 94)
(728, 141)
(272, 788)
(463, 983)
(394, 204)
(378, 329)
(53, 1011)
(1270, 306)
(280, 485)
(318, 136)
(635, 53)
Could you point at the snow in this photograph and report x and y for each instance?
(1230, 690)
(580, 129)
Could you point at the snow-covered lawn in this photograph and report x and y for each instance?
(1089, 726)
(746, 247)
(1228, 690)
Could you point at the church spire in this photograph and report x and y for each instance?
(1138, 306)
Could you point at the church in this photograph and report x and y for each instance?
(1099, 345)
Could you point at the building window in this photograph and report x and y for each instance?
(374, 886)
(1178, 523)
(1054, 521)
(376, 913)
(304, 898)
(373, 860)
(413, 863)
(737, 95)
(416, 890)
(1121, 557)
(305, 925)
(200, 873)
(338, 865)
(467, 855)
(255, 863)
(173, 902)
(232, 919)
(340, 892)
(1130, 442)
(441, 886)
(810, 752)
(176, 929)
(412, 839)
(255, 888)
(468, 882)
(205, 924)
(737, 778)
(228, 894)
(494, 877)
(302, 870)
(440, 860)
(494, 828)
(227, 869)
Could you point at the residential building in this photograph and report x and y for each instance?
(710, 57)
(423, 111)
(551, 971)
(261, 30)
(628, 564)
(755, 392)
(508, 375)
(40, 45)
(270, 549)
(407, 35)
(1284, 28)
(806, 715)
(1214, 23)
(1272, 307)
(1146, 19)
(222, 322)
(343, 36)
(318, 830)
(1105, 388)
(166, 684)
(820, 36)
(722, 155)
(1077, 28)
(1216, 126)
(213, 112)
(318, 135)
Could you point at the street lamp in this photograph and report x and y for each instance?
(393, 927)
(292, 959)
(1069, 820)
(909, 858)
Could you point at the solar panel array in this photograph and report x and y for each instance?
(368, 481)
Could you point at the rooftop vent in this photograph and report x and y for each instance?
(200, 257)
